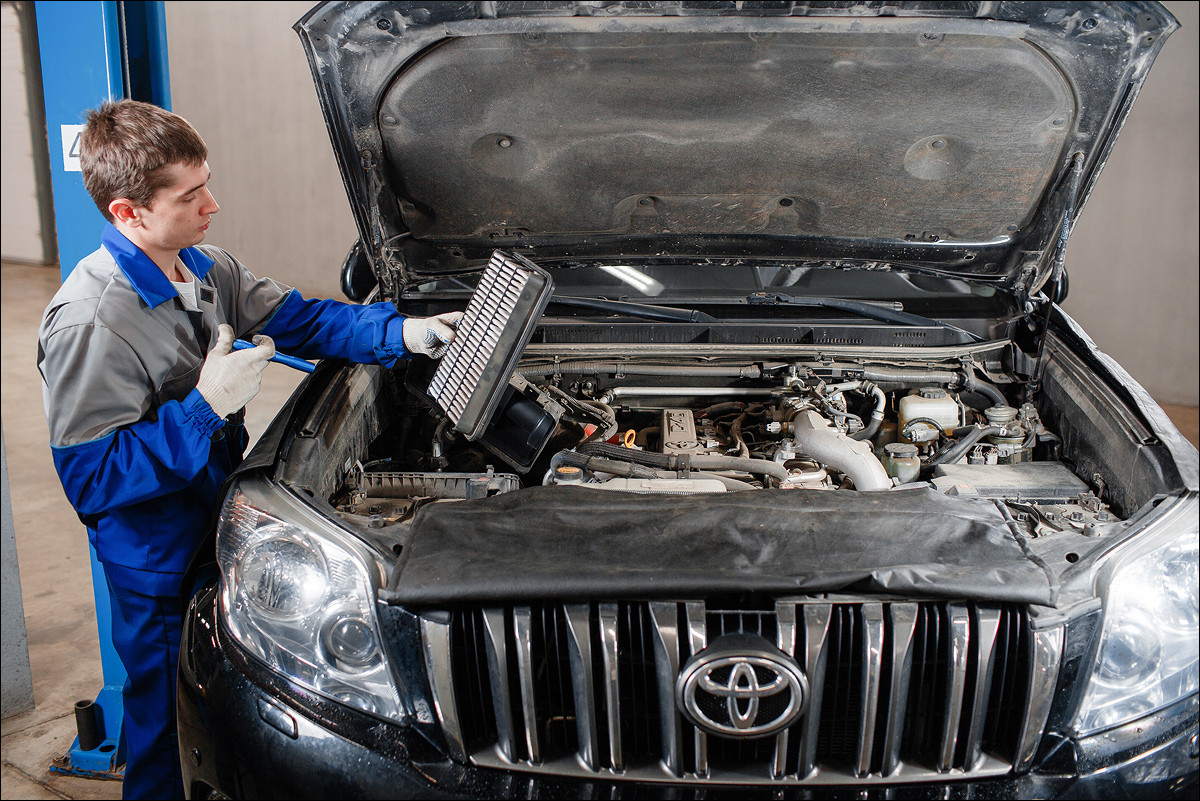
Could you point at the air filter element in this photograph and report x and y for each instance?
(473, 376)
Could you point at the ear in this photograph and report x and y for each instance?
(123, 211)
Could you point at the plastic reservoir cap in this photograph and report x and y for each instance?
(567, 474)
(933, 392)
(900, 450)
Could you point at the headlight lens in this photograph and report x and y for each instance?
(300, 597)
(1148, 656)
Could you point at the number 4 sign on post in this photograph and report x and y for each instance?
(70, 147)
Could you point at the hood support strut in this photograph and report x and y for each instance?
(1057, 272)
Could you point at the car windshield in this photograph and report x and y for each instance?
(717, 282)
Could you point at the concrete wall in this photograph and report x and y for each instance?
(21, 238)
(1133, 258)
(239, 74)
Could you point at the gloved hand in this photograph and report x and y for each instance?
(228, 380)
(431, 335)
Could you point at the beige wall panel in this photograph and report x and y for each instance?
(1133, 257)
(21, 236)
(239, 74)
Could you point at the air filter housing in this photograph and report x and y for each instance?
(474, 385)
(499, 320)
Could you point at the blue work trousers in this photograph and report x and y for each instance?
(146, 632)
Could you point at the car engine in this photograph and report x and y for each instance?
(682, 429)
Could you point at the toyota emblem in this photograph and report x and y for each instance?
(742, 686)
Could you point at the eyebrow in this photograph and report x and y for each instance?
(197, 186)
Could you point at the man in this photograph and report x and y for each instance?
(144, 394)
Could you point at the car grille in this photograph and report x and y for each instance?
(898, 690)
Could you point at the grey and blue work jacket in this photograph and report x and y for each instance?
(140, 453)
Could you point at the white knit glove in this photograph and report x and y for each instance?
(228, 380)
(431, 335)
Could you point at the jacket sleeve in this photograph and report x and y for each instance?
(110, 448)
(330, 329)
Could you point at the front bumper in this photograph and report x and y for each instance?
(246, 732)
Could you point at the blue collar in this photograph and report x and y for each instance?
(147, 279)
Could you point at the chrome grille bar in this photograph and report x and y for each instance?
(904, 623)
(987, 626)
(666, 668)
(1045, 657)
(497, 658)
(816, 629)
(871, 678)
(956, 679)
(612, 687)
(785, 623)
(523, 633)
(579, 646)
(697, 628)
(436, 637)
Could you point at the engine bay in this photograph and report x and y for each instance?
(692, 427)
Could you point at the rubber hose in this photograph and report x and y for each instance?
(876, 415)
(665, 461)
(643, 435)
(649, 458)
(958, 449)
(989, 391)
(966, 378)
(718, 409)
(600, 464)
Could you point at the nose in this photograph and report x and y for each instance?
(210, 202)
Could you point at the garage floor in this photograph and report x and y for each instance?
(52, 550)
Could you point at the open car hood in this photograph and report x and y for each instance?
(928, 133)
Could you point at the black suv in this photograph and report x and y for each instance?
(764, 463)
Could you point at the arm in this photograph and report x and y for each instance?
(110, 448)
(137, 462)
(323, 329)
(330, 329)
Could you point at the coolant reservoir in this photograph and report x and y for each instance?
(930, 403)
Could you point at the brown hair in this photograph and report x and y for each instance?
(126, 147)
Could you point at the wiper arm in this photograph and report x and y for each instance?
(644, 310)
(872, 311)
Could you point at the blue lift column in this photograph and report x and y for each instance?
(91, 52)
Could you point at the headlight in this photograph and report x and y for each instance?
(300, 595)
(1148, 656)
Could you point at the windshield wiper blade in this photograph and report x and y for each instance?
(886, 314)
(644, 310)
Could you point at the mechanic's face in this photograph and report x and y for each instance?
(180, 213)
